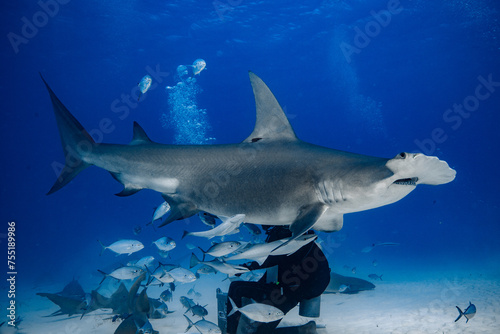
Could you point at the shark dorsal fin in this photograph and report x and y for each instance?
(139, 136)
(271, 123)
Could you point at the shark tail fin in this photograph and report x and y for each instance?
(104, 274)
(193, 261)
(190, 323)
(460, 313)
(76, 142)
(203, 252)
(151, 277)
(234, 308)
(103, 247)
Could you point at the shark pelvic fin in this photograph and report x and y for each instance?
(129, 189)
(308, 216)
(75, 140)
(271, 123)
(140, 136)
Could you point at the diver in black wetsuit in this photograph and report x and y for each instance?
(302, 276)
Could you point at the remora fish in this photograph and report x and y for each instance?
(272, 177)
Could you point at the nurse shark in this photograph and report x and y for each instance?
(272, 177)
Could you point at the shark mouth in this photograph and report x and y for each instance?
(407, 182)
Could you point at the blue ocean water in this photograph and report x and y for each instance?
(371, 77)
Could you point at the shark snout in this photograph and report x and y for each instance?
(417, 168)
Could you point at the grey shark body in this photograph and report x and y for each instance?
(271, 177)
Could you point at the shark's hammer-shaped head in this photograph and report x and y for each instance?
(412, 169)
(417, 168)
(376, 182)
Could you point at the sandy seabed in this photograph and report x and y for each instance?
(411, 307)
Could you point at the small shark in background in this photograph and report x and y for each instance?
(272, 177)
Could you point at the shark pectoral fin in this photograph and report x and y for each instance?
(179, 210)
(271, 123)
(308, 216)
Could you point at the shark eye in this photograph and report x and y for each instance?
(402, 155)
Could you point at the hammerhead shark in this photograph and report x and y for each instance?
(272, 177)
